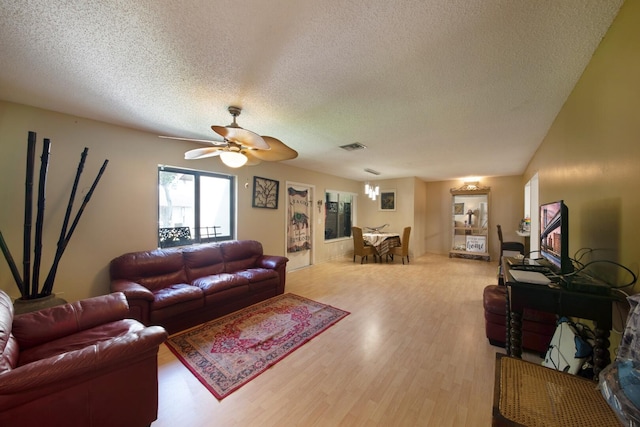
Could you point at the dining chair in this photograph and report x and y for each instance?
(403, 249)
(359, 248)
(508, 246)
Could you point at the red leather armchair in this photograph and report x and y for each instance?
(79, 364)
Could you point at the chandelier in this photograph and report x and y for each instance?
(371, 191)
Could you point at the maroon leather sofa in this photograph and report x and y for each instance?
(181, 287)
(537, 326)
(78, 364)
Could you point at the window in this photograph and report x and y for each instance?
(194, 207)
(338, 219)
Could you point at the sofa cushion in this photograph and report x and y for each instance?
(219, 282)
(203, 260)
(176, 294)
(80, 340)
(258, 274)
(241, 254)
(153, 269)
(236, 294)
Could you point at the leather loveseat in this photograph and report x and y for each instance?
(78, 364)
(181, 287)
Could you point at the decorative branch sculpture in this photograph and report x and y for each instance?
(29, 285)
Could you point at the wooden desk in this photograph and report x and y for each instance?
(562, 302)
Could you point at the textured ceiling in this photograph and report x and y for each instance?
(436, 89)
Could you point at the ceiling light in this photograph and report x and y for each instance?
(371, 191)
(233, 159)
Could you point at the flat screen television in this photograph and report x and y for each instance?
(554, 236)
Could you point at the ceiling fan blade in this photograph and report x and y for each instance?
(206, 141)
(251, 159)
(279, 151)
(202, 153)
(241, 136)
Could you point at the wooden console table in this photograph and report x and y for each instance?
(562, 302)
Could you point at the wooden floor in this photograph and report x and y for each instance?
(413, 352)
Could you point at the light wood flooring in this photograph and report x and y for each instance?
(413, 352)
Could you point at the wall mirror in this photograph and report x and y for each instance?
(470, 222)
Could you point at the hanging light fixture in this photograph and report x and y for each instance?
(233, 159)
(371, 191)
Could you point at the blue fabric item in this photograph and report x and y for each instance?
(583, 348)
(629, 378)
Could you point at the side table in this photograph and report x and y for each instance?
(562, 302)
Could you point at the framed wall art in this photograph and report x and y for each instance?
(265, 193)
(387, 200)
(458, 208)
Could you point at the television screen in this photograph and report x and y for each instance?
(554, 236)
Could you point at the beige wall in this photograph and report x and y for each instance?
(122, 214)
(591, 154)
(506, 207)
(370, 215)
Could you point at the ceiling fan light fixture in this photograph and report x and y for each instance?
(233, 159)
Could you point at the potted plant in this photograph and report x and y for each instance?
(32, 295)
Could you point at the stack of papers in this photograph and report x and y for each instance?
(534, 277)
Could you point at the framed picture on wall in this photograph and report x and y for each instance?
(387, 200)
(458, 208)
(265, 193)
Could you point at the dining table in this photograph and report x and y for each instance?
(382, 242)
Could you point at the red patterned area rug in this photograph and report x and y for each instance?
(226, 353)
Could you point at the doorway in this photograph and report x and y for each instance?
(299, 226)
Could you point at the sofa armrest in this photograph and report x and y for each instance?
(132, 290)
(90, 361)
(277, 263)
(139, 298)
(272, 262)
(38, 327)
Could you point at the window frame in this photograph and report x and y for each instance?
(196, 237)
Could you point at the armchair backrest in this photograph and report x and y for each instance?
(39, 327)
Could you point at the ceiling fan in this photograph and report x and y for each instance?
(240, 146)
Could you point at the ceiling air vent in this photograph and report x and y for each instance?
(353, 147)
